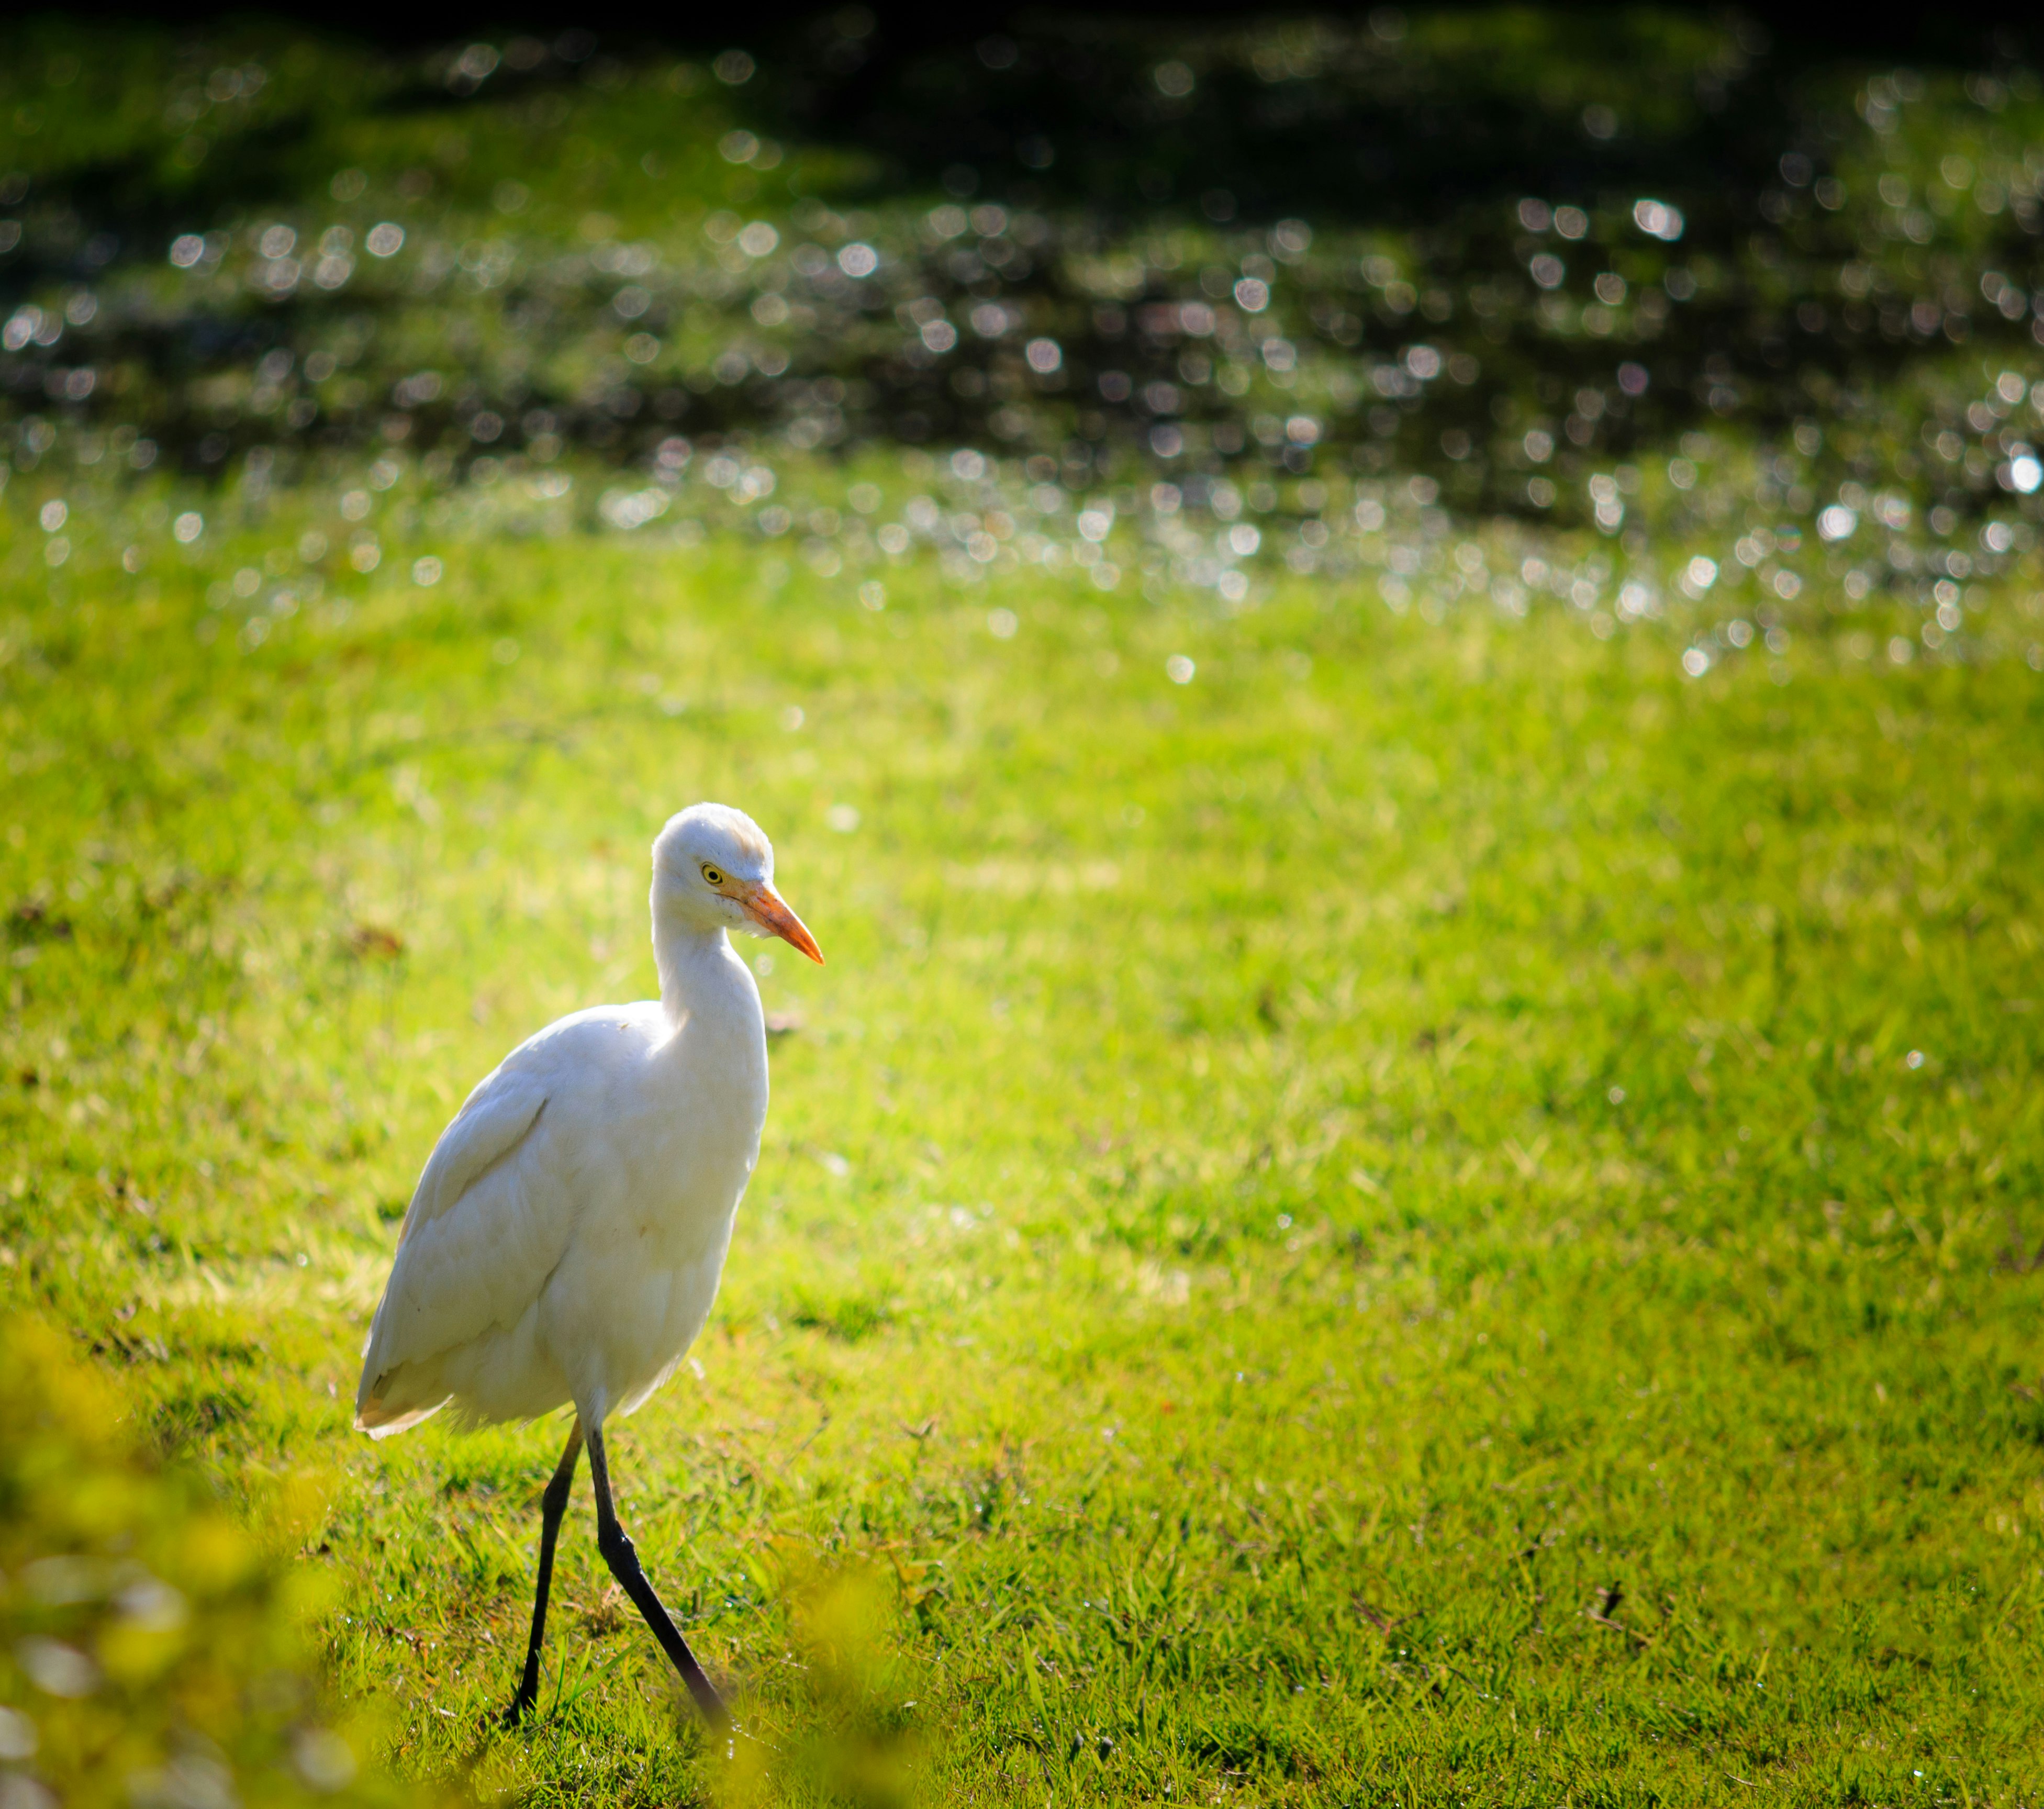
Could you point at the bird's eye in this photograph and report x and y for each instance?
(712, 876)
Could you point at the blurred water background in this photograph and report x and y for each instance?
(1691, 322)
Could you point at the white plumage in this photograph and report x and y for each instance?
(566, 1237)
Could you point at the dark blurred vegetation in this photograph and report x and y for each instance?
(1439, 244)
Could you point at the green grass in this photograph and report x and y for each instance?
(1442, 1213)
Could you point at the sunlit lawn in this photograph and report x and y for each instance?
(1441, 1212)
(1382, 1200)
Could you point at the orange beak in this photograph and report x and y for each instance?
(766, 908)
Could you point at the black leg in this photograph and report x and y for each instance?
(623, 1558)
(552, 1505)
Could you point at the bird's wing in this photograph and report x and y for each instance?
(487, 1224)
(493, 1120)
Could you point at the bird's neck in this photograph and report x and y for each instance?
(699, 970)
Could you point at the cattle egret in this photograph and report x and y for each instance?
(564, 1244)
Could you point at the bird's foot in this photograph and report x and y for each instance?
(710, 1705)
(521, 1706)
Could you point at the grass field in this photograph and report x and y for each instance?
(1418, 1174)
(1437, 1212)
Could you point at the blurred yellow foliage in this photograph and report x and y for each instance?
(151, 1648)
(854, 1746)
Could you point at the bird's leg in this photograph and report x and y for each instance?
(552, 1505)
(619, 1553)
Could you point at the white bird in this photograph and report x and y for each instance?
(565, 1239)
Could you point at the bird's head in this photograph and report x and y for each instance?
(713, 869)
